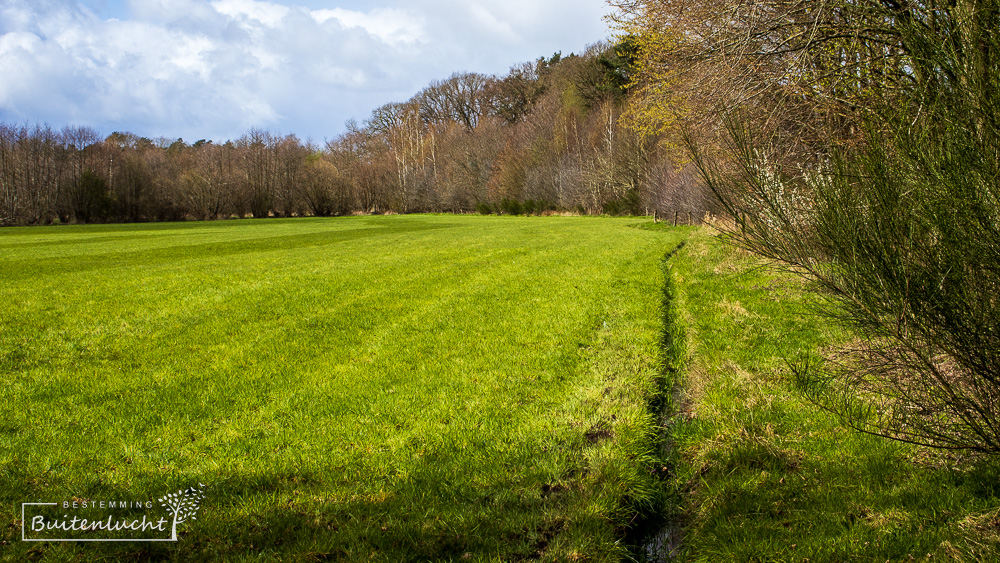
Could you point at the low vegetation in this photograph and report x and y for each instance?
(387, 388)
(761, 473)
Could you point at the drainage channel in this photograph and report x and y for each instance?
(655, 536)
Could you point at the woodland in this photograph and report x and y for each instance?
(551, 135)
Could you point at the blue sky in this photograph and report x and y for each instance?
(215, 68)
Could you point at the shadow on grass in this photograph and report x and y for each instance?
(288, 517)
(32, 268)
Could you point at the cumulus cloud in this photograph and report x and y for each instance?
(393, 26)
(215, 68)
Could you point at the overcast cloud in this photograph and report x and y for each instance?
(215, 68)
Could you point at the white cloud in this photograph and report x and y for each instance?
(264, 13)
(392, 26)
(484, 18)
(199, 68)
(180, 13)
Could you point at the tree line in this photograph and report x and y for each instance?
(856, 142)
(555, 134)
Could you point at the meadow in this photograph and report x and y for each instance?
(359, 388)
(449, 388)
(758, 473)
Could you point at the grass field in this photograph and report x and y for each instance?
(760, 474)
(448, 388)
(363, 388)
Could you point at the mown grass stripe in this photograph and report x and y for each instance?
(438, 386)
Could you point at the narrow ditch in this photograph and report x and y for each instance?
(655, 536)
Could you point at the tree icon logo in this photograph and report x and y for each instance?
(183, 505)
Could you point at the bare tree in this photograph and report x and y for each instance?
(8, 182)
(290, 154)
(460, 99)
(513, 97)
(260, 171)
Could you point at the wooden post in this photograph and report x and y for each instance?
(675, 218)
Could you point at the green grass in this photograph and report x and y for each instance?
(763, 475)
(446, 388)
(388, 388)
